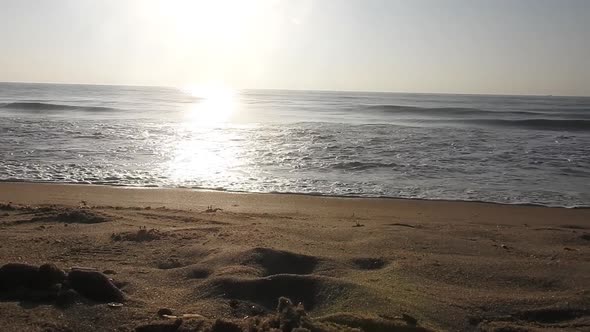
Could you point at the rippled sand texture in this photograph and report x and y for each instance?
(379, 265)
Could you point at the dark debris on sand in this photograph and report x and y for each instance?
(369, 263)
(142, 235)
(69, 216)
(95, 286)
(48, 283)
(287, 318)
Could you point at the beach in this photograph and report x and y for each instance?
(294, 166)
(376, 264)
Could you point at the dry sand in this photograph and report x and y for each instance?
(368, 263)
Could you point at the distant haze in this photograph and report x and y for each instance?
(455, 46)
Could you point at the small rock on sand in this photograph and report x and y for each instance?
(95, 286)
(15, 275)
(80, 216)
(164, 311)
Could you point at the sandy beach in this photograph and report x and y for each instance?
(353, 263)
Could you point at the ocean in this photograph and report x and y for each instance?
(506, 149)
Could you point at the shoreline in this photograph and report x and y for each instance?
(221, 190)
(245, 202)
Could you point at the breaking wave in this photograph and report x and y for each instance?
(44, 107)
(540, 124)
(452, 112)
(567, 119)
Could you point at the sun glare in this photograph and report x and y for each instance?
(212, 40)
(220, 24)
(214, 105)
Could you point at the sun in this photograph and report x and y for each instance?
(214, 105)
(219, 24)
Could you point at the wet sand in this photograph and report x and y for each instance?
(375, 264)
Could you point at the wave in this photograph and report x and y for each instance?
(35, 107)
(539, 124)
(577, 119)
(361, 166)
(476, 112)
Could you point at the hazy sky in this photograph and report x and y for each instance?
(455, 46)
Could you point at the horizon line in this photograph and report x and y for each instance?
(310, 90)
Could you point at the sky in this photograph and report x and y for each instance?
(445, 46)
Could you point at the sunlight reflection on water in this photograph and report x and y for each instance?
(200, 153)
(214, 105)
(203, 148)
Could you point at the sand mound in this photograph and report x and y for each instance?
(373, 324)
(255, 262)
(279, 262)
(312, 291)
(198, 273)
(170, 264)
(546, 318)
(143, 234)
(266, 262)
(369, 263)
(81, 216)
(552, 314)
(69, 215)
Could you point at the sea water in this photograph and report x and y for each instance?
(508, 149)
